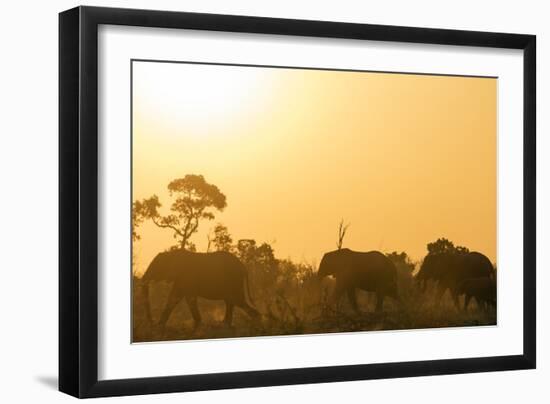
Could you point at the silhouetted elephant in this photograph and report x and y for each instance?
(218, 276)
(449, 270)
(370, 271)
(484, 290)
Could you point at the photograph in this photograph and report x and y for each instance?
(269, 202)
(276, 200)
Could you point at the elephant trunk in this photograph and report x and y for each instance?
(322, 273)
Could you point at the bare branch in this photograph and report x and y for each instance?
(341, 233)
(166, 226)
(210, 237)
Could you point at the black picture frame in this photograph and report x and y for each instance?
(78, 201)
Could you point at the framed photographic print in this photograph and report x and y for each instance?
(250, 201)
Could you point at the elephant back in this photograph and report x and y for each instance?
(477, 265)
(437, 267)
(375, 271)
(190, 267)
(472, 265)
(377, 262)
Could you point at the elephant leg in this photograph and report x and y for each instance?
(440, 291)
(479, 303)
(484, 305)
(338, 292)
(456, 299)
(173, 299)
(379, 302)
(145, 296)
(372, 298)
(228, 313)
(353, 300)
(251, 311)
(194, 308)
(467, 298)
(399, 301)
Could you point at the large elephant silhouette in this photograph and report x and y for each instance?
(370, 271)
(217, 276)
(450, 270)
(484, 290)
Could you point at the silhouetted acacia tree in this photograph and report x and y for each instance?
(194, 197)
(442, 245)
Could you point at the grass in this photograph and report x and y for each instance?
(304, 307)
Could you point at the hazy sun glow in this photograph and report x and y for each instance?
(196, 98)
(404, 158)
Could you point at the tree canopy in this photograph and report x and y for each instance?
(442, 245)
(401, 260)
(194, 200)
(221, 238)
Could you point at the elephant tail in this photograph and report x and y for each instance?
(247, 282)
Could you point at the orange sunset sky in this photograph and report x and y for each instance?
(404, 159)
